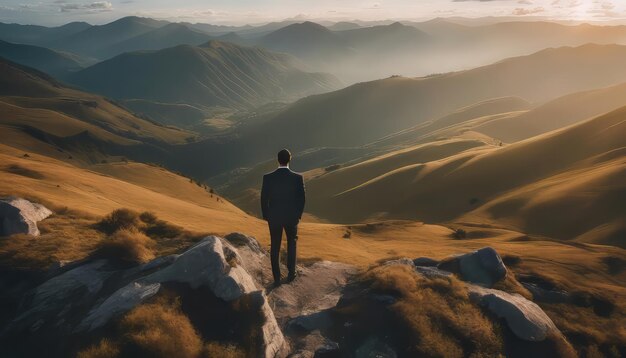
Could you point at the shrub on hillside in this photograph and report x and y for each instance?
(459, 234)
(128, 246)
(119, 219)
(148, 217)
(163, 229)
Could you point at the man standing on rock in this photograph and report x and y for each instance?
(282, 204)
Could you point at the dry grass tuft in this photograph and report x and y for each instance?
(214, 350)
(440, 319)
(160, 329)
(65, 236)
(104, 349)
(119, 219)
(127, 246)
(511, 285)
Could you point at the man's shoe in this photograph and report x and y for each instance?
(290, 278)
(276, 284)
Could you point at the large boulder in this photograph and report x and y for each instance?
(206, 264)
(20, 216)
(483, 267)
(525, 318)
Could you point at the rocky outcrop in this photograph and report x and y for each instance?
(89, 295)
(20, 216)
(481, 268)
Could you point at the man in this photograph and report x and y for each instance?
(282, 204)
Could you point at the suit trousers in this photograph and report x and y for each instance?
(276, 234)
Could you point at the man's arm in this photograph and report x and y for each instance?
(265, 203)
(301, 196)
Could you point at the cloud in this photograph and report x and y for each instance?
(603, 8)
(525, 2)
(522, 11)
(96, 6)
(562, 4)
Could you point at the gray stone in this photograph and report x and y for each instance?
(483, 267)
(432, 272)
(525, 318)
(402, 261)
(310, 322)
(425, 261)
(20, 216)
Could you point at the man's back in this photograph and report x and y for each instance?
(282, 196)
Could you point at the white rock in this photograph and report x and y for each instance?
(525, 318)
(204, 264)
(123, 300)
(20, 216)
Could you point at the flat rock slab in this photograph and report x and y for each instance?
(317, 287)
(20, 216)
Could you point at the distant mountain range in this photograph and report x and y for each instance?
(212, 74)
(353, 51)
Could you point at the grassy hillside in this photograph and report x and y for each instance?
(214, 74)
(81, 196)
(39, 112)
(445, 189)
(555, 114)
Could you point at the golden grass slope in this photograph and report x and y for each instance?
(28, 88)
(444, 189)
(555, 114)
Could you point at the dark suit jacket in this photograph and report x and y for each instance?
(282, 196)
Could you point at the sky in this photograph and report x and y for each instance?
(239, 12)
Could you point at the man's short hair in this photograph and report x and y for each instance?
(284, 157)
